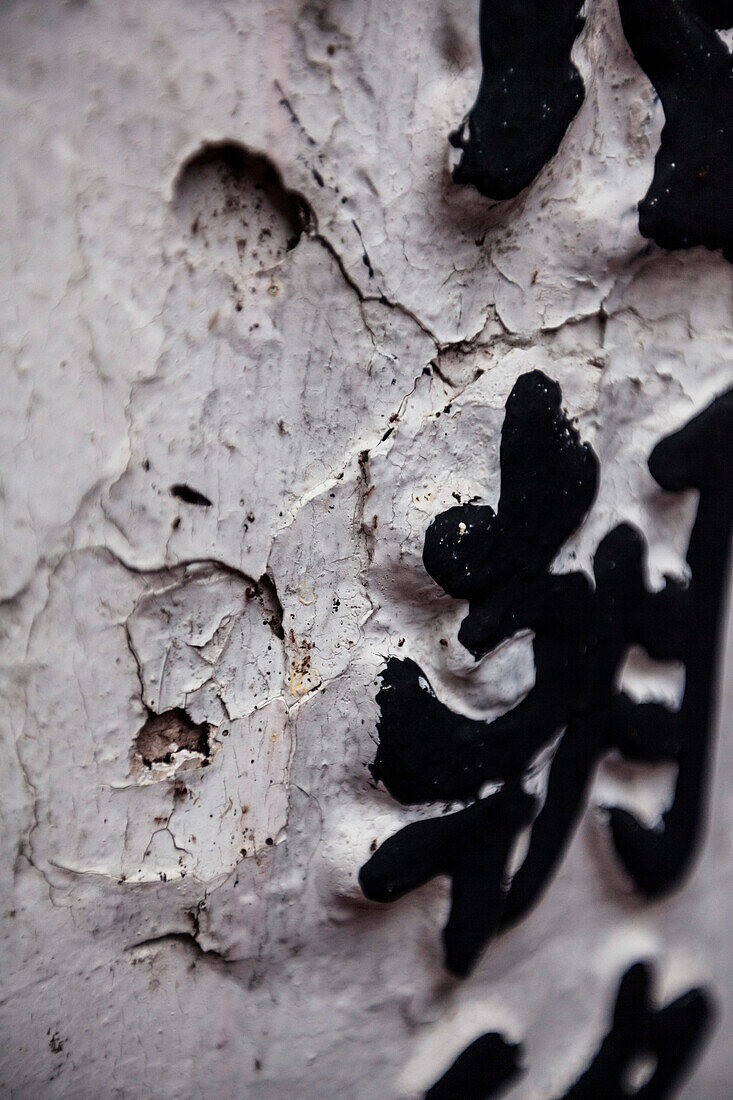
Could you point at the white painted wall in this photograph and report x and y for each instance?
(144, 953)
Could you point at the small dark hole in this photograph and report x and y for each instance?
(189, 495)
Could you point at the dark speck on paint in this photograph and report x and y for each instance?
(189, 495)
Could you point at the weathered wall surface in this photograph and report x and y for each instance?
(232, 405)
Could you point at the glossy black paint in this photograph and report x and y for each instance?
(501, 564)
(530, 92)
(690, 201)
(484, 1069)
(668, 1038)
(471, 847)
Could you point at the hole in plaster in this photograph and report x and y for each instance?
(171, 740)
(235, 209)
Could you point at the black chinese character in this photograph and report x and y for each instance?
(501, 563)
(657, 1044)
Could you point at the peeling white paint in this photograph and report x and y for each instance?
(203, 934)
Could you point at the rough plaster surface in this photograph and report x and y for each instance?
(193, 927)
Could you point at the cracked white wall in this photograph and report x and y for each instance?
(193, 927)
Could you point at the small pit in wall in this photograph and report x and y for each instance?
(168, 743)
(235, 211)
